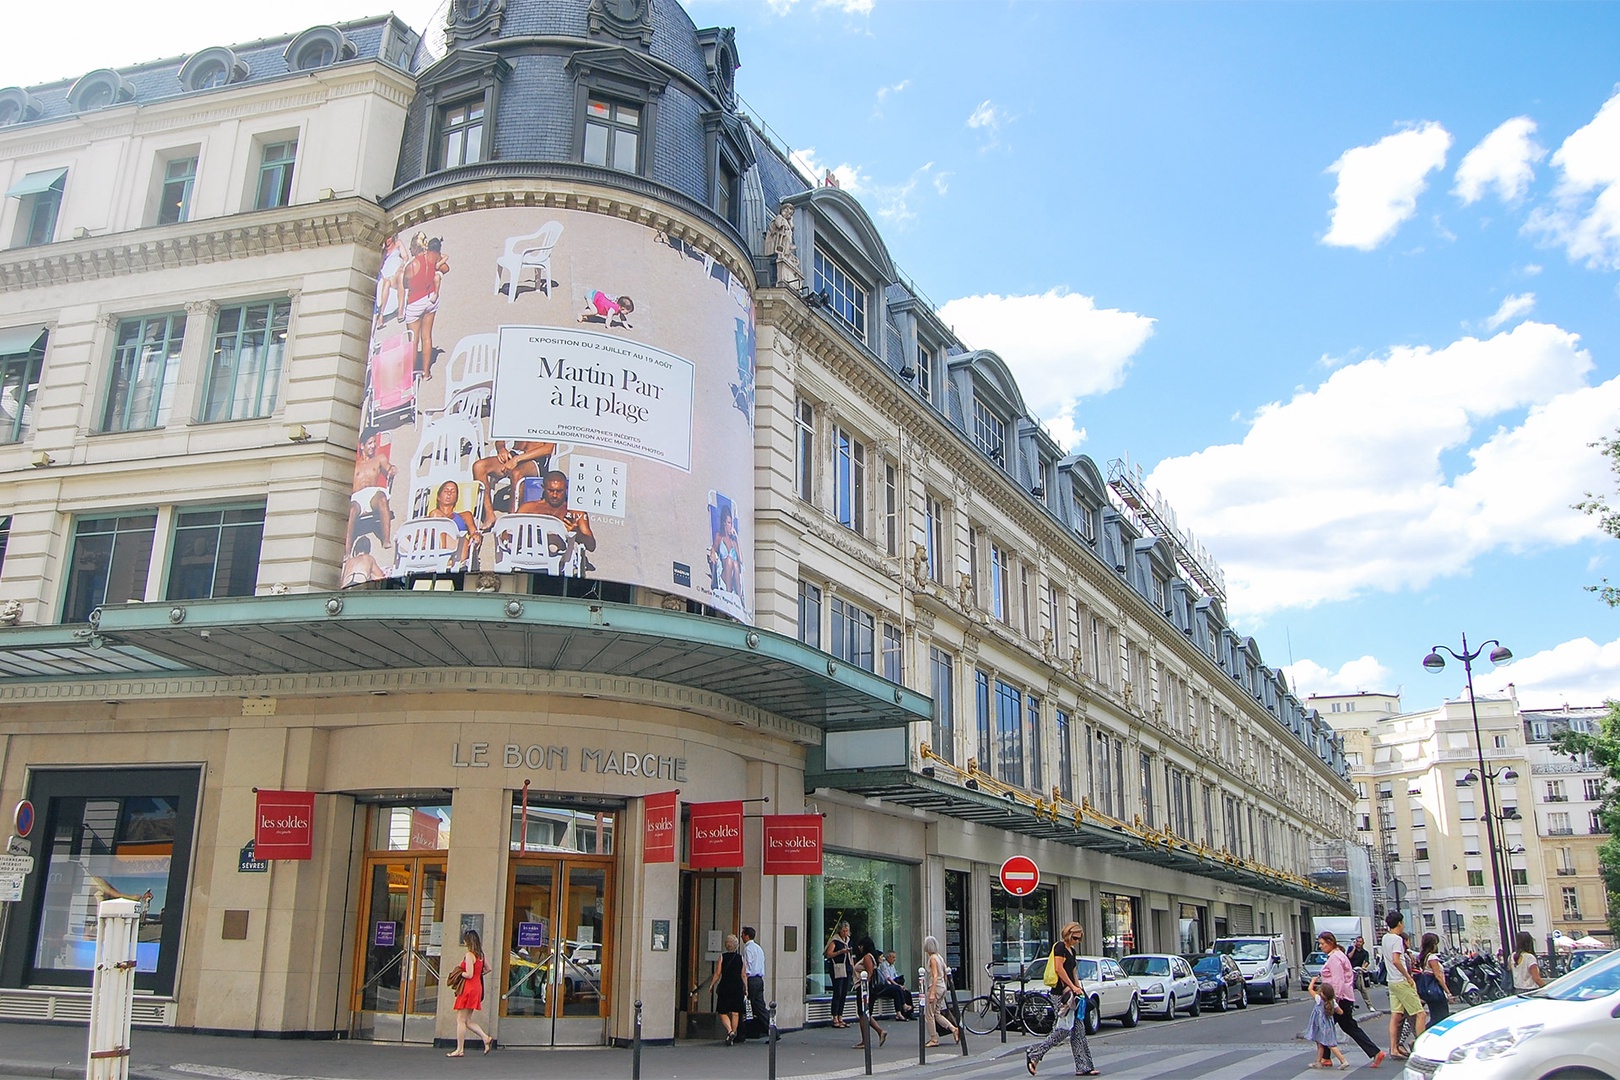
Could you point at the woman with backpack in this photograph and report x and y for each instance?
(1071, 1006)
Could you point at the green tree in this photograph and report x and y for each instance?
(1608, 517)
(1602, 748)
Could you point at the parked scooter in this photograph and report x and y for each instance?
(1462, 987)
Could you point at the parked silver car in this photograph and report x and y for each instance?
(1311, 968)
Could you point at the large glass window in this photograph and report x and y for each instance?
(852, 634)
(999, 602)
(110, 560)
(419, 827)
(1032, 742)
(849, 480)
(877, 897)
(146, 363)
(1119, 917)
(958, 920)
(275, 174)
(216, 553)
(810, 614)
(612, 135)
(179, 176)
(804, 475)
(1020, 927)
(981, 712)
(244, 376)
(942, 675)
(39, 213)
(990, 434)
(1009, 737)
(566, 829)
(117, 834)
(19, 385)
(893, 659)
(845, 296)
(934, 514)
(1065, 748)
(925, 372)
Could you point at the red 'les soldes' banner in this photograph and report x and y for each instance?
(284, 825)
(716, 836)
(792, 844)
(658, 844)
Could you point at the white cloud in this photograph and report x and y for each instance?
(1379, 184)
(1365, 674)
(1584, 216)
(848, 7)
(1578, 672)
(1342, 490)
(849, 176)
(988, 120)
(1511, 308)
(1502, 161)
(1060, 346)
(884, 91)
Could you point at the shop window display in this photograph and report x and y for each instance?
(878, 899)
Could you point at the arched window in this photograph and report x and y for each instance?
(100, 89)
(318, 47)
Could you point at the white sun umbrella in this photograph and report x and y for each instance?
(1563, 941)
(1590, 942)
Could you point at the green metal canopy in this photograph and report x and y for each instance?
(34, 183)
(391, 630)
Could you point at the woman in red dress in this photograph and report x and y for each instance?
(471, 997)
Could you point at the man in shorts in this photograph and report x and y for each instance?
(1403, 995)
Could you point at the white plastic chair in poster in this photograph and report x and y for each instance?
(531, 542)
(524, 253)
(450, 444)
(471, 374)
(426, 546)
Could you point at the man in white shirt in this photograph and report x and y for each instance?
(1403, 996)
(754, 974)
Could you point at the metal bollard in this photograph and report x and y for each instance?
(863, 1012)
(772, 1073)
(635, 1059)
(925, 1021)
(112, 990)
(956, 1010)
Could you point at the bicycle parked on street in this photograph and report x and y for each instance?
(1027, 1010)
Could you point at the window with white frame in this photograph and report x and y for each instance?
(1572, 903)
(461, 132)
(925, 372)
(981, 713)
(849, 479)
(891, 509)
(810, 614)
(845, 296)
(935, 534)
(853, 631)
(1558, 824)
(216, 552)
(1594, 822)
(1032, 743)
(276, 161)
(1000, 590)
(613, 134)
(1592, 788)
(804, 471)
(244, 372)
(1146, 764)
(893, 661)
(1556, 792)
(110, 560)
(990, 434)
(39, 198)
(145, 365)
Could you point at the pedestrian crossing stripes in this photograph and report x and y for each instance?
(1162, 1063)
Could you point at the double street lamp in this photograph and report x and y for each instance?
(1436, 663)
(1501, 856)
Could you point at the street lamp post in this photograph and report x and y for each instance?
(1436, 663)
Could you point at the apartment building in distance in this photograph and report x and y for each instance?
(1566, 791)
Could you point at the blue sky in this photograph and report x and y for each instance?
(1344, 278)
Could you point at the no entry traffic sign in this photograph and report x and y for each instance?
(1020, 875)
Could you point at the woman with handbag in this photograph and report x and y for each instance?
(838, 953)
(467, 980)
(934, 1011)
(1071, 1007)
(1431, 980)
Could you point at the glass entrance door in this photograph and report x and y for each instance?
(402, 950)
(709, 911)
(558, 955)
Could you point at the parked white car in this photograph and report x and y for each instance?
(1260, 958)
(1110, 993)
(1566, 1029)
(1167, 983)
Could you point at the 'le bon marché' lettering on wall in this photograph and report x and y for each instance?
(557, 392)
(558, 758)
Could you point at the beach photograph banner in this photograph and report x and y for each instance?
(557, 392)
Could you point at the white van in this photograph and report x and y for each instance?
(1261, 959)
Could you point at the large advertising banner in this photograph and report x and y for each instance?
(557, 392)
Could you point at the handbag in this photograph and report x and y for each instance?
(1428, 987)
(1051, 976)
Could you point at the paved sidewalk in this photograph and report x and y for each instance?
(56, 1050)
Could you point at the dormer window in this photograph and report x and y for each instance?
(18, 106)
(990, 434)
(99, 89)
(612, 134)
(925, 372)
(211, 69)
(845, 296)
(318, 47)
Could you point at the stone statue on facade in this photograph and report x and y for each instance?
(779, 242)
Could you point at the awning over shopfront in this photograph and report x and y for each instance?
(1093, 832)
(399, 630)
